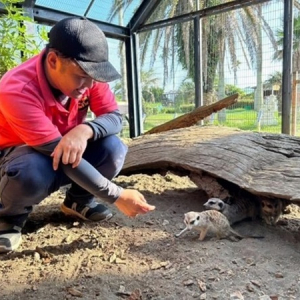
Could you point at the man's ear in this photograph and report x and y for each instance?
(52, 59)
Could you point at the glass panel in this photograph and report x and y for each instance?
(167, 89)
(117, 12)
(69, 6)
(238, 48)
(112, 11)
(170, 8)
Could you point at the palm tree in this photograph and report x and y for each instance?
(296, 45)
(148, 80)
(220, 33)
(118, 8)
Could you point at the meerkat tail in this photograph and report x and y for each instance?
(181, 232)
(246, 236)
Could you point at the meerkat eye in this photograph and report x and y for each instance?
(192, 222)
(212, 202)
(198, 218)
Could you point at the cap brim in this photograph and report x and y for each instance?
(103, 71)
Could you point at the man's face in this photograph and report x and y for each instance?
(68, 77)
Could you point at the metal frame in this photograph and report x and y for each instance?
(50, 17)
(134, 92)
(142, 14)
(222, 8)
(287, 66)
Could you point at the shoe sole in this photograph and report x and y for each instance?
(4, 249)
(70, 212)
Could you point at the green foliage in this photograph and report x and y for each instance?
(157, 93)
(186, 108)
(232, 89)
(16, 44)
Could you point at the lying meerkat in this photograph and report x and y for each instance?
(236, 212)
(210, 220)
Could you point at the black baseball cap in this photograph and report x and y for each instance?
(83, 41)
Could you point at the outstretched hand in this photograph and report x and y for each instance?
(131, 203)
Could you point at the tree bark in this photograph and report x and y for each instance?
(220, 159)
(195, 116)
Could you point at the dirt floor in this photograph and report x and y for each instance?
(62, 258)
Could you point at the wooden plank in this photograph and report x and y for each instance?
(195, 116)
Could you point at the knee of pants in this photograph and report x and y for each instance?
(112, 155)
(27, 178)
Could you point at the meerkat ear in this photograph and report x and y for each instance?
(198, 218)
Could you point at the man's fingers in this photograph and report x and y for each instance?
(77, 160)
(56, 154)
(146, 208)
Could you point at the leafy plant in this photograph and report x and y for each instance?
(16, 43)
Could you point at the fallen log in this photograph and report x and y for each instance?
(194, 116)
(262, 164)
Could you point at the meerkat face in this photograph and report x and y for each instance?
(271, 210)
(214, 203)
(191, 219)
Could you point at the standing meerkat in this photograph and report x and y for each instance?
(236, 212)
(210, 220)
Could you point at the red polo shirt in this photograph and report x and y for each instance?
(29, 113)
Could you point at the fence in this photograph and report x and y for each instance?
(239, 53)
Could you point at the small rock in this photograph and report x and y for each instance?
(203, 296)
(202, 286)
(256, 283)
(155, 266)
(112, 258)
(236, 296)
(164, 263)
(120, 261)
(279, 275)
(249, 287)
(36, 256)
(165, 222)
(264, 297)
(74, 292)
(188, 282)
(149, 223)
(135, 295)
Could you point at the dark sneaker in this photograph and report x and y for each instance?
(89, 212)
(10, 237)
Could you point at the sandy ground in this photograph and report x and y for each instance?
(134, 259)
